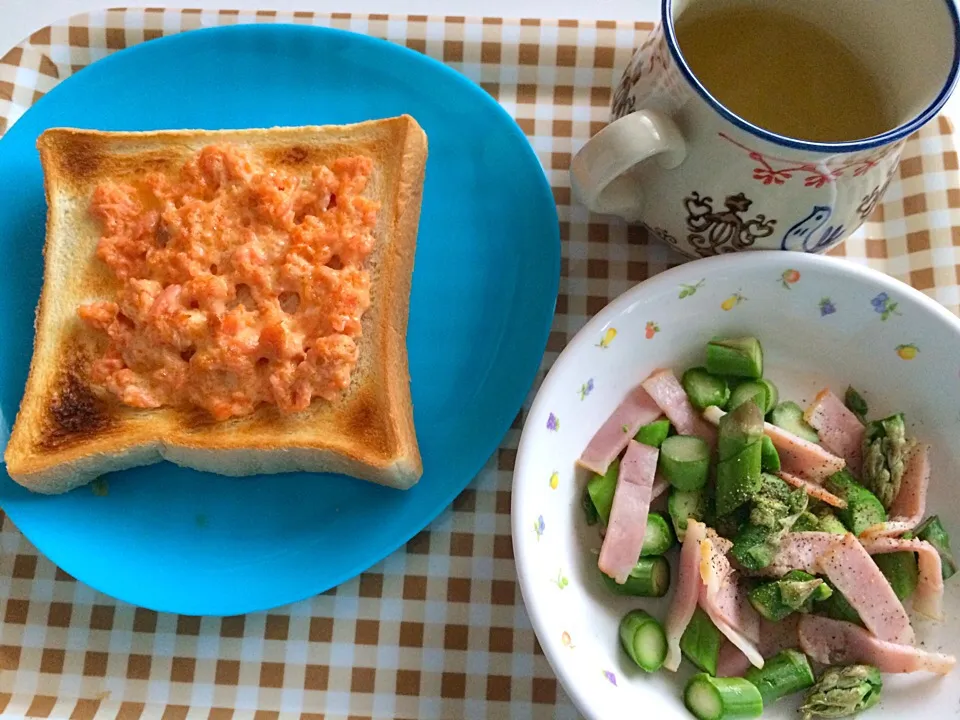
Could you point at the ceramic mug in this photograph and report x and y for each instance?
(708, 182)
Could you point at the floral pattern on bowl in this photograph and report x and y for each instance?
(819, 326)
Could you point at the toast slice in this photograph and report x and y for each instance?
(69, 431)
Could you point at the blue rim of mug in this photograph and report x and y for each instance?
(897, 133)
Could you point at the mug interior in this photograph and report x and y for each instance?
(910, 46)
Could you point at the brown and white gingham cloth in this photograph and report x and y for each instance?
(438, 629)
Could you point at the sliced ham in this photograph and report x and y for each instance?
(724, 601)
(774, 638)
(834, 642)
(660, 486)
(669, 395)
(815, 491)
(909, 506)
(797, 456)
(628, 515)
(637, 410)
(928, 600)
(840, 431)
(853, 572)
(687, 592)
(800, 551)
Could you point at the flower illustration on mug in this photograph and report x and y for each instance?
(883, 305)
(561, 580)
(607, 338)
(907, 352)
(539, 527)
(651, 330)
(566, 640)
(789, 277)
(827, 307)
(554, 480)
(611, 677)
(731, 302)
(585, 389)
(553, 423)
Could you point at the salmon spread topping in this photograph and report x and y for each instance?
(240, 284)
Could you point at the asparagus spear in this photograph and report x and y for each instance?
(739, 447)
(710, 698)
(685, 461)
(643, 639)
(933, 532)
(683, 505)
(901, 571)
(785, 673)
(751, 391)
(658, 537)
(863, 507)
(807, 522)
(856, 404)
(773, 394)
(828, 522)
(601, 489)
(885, 448)
(649, 578)
(740, 357)
(653, 434)
(794, 591)
(789, 416)
(769, 457)
(705, 389)
(837, 606)
(701, 642)
(589, 509)
(775, 509)
(843, 691)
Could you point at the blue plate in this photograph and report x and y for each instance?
(487, 269)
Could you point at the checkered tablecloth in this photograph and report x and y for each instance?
(438, 629)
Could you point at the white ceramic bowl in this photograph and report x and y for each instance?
(822, 322)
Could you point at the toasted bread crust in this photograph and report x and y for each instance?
(67, 433)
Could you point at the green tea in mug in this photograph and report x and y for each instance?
(782, 73)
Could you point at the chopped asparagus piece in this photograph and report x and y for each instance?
(653, 434)
(885, 447)
(685, 461)
(901, 571)
(710, 698)
(601, 489)
(685, 504)
(775, 510)
(773, 394)
(769, 457)
(843, 691)
(701, 642)
(650, 578)
(589, 509)
(856, 404)
(933, 532)
(794, 591)
(807, 522)
(839, 608)
(705, 389)
(659, 537)
(738, 478)
(737, 430)
(863, 508)
(829, 523)
(785, 673)
(643, 639)
(740, 357)
(789, 416)
(752, 391)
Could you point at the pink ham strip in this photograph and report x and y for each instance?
(628, 515)
(637, 410)
(800, 551)
(669, 395)
(660, 486)
(840, 431)
(685, 597)
(723, 601)
(833, 642)
(813, 490)
(774, 637)
(909, 506)
(797, 456)
(928, 600)
(854, 573)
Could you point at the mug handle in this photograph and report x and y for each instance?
(600, 173)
